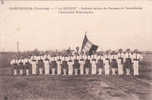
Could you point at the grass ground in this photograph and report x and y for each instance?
(77, 87)
(74, 88)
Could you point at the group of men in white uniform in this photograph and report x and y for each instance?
(125, 63)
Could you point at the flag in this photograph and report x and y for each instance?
(88, 47)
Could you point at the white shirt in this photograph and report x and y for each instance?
(12, 61)
(137, 56)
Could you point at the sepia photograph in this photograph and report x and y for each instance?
(75, 50)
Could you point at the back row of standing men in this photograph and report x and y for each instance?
(116, 63)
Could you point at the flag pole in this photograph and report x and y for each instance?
(85, 32)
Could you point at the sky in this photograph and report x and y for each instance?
(50, 30)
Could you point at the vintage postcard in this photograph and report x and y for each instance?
(75, 50)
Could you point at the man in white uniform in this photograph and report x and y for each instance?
(113, 62)
(107, 64)
(25, 67)
(40, 65)
(54, 66)
(14, 66)
(64, 67)
(81, 61)
(120, 63)
(70, 67)
(128, 62)
(34, 66)
(136, 58)
(59, 61)
(120, 66)
(87, 67)
(76, 66)
(93, 62)
(20, 64)
(28, 67)
(46, 66)
(100, 66)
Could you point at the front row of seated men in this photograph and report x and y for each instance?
(125, 63)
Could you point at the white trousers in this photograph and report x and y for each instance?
(34, 69)
(64, 71)
(127, 71)
(21, 71)
(100, 71)
(81, 69)
(136, 68)
(86, 71)
(53, 71)
(113, 71)
(40, 71)
(107, 70)
(70, 69)
(76, 71)
(59, 69)
(46, 69)
(27, 71)
(120, 69)
(14, 72)
(94, 70)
